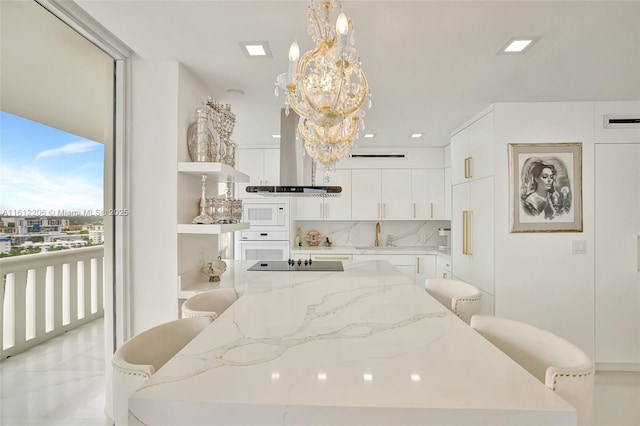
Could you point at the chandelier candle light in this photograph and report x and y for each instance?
(326, 86)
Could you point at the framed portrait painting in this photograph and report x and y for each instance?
(546, 187)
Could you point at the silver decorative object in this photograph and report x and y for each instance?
(203, 217)
(214, 269)
(202, 140)
(224, 211)
(223, 122)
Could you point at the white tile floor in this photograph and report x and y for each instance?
(61, 383)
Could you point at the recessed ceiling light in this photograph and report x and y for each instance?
(369, 135)
(518, 45)
(256, 49)
(275, 136)
(416, 135)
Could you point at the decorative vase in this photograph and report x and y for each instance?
(199, 137)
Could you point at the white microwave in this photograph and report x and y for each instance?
(265, 214)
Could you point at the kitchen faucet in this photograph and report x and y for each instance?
(377, 243)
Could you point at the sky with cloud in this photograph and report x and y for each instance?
(42, 168)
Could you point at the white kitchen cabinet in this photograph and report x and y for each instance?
(617, 255)
(327, 208)
(366, 193)
(472, 233)
(447, 193)
(416, 267)
(443, 267)
(427, 194)
(472, 151)
(425, 268)
(381, 194)
(396, 194)
(325, 256)
(261, 164)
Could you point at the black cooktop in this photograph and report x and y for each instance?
(297, 265)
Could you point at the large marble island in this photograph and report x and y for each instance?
(363, 346)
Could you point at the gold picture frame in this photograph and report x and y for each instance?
(545, 187)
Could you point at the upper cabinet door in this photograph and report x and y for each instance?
(459, 156)
(481, 147)
(366, 194)
(420, 194)
(427, 194)
(447, 193)
(271, 166)
(339, 208)
(396, 194)
(472, 151)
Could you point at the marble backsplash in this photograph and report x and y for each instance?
(363, 233)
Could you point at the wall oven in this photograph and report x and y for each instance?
(263, 245)
(268, 236)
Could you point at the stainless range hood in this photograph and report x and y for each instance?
(297, 172)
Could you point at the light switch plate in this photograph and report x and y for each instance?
(578, 246)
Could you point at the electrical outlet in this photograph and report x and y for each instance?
(578, 247)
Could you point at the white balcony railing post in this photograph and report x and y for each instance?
(46, 294)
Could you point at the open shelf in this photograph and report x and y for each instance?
(217, 171)
(193, 228)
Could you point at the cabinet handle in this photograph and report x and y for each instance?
(418, 265)
(467, 167)
(331, 257)
(444, 275)
(431, 210)
(384, 210)
(321, 214)
(466, 232)
(414, 210)
(464, 225)
(326, 211)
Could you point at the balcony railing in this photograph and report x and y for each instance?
(46, 294)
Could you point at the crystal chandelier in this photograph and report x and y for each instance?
(326, 87)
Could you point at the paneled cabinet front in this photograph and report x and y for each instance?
(472, 151)
(381, 194)
(329, 208)
(472, 236)
(427, 194)
(262, 165)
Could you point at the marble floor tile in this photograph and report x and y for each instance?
(60, 382)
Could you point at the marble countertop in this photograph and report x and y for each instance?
(362, 346)
(418, 250)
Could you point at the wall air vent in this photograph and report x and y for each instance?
(377, 155)
(622, 121)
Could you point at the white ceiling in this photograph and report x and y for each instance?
(431, 65)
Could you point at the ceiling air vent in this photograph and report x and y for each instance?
(377, 155)
(622, 121)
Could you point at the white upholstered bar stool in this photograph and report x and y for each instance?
(210, 303)
(142, 355)
(463, 299)
(558, 363)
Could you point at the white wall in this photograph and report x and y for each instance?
(154, 95)
(164, 98)
(537, 279)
